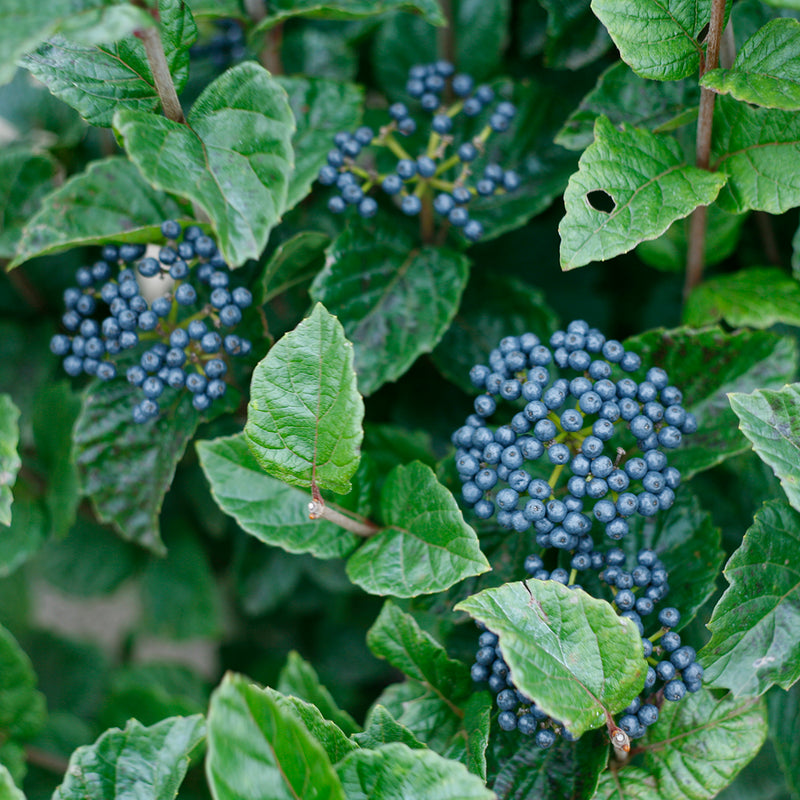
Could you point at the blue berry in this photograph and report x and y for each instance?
(411, 205)
(185, 294)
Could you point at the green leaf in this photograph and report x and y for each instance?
(753, 643)
(766, 70)
(298, 259)
(300, 679)
(395, 770)
(125, 468)
(687, 541)
(481, 35)
(23, 538)
(96, 81)
(57, 407)
(632, 783)
(646, 179)
(255, 742)
(397, 637)
(477, 722)
(565, 770)
(25, 178)
(376, 280)
(321, 108)
(425, 546)
(8, 789)
(658, 39)
(179, 594)
(9, 458)
(759, 297)
(493, 306)
(347, 9)
(706, 365)
(265, 507)
(756, 148)
(135, 763)
(784, 719)
(304, 415)
(24, 25)
(699, 745)
(233, 158)
(625, 97)
(769, 419)
(574, 36)
(109, 202)
(382, 728)
(571, 654)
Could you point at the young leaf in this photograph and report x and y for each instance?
(126, 468)
(395, 770)
(233, 158)
(784, 719)
(425, 546)
(397, 637)
(255, 742)
(657, 39)
(766, 70)
(756, 148)
(753, 643)
(300, 679)
(24, 25)
(109, 202)
(297, 259)
(376, 280)
(643, 179)
(571, 654)
(705, 365)
(697, 746)
(625, 97)
(96, 81)
(9, 458)
(304, 415)
(321, 109)
(769, 419)
(137, 763)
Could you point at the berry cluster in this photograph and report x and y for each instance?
(107, 314)
(602, 435)
(441, 176)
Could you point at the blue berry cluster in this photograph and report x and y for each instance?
(602, 435)
(178, 335)
(441, 175)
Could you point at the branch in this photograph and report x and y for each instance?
(318, 509)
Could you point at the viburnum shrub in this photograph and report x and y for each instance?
(324, 472)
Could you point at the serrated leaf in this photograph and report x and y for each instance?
(395, 770)
(300, 679)
(784, 719)
(650, 186)
(570, 653)
(255, 742)
(297, 259)
(25, 178)
(425, 546)
(304, 415)
(233, 158)
(96, 81)
(706, 365)
(397, 637)
(109, 202)
(632, 783)
(765, 71)
(375, 281)
(24, 25)
(756, 148)
(135, 763)
(270, 510)
(625, 97)
(347, 9)
(382, 728)
(9, 457)
(769, 419)
(754, 643)
(321, 109)
(697, 746)
(658, 39)
(126, 468)
(759, 297)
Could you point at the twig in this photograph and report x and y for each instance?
(446, 36)
(319, 509)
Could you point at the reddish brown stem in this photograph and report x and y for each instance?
(319, 509)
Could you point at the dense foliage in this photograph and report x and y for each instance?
(300, 380)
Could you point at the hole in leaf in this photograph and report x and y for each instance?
(701, 37)
(601, 201)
